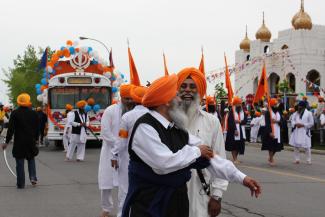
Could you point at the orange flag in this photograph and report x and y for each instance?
(134, 78)
(228, 84)
(201, 67)
(262, 89)
(165, 65)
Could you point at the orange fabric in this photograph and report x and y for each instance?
(81, 104)
(91, 101)
(161, 91)
(273, 102)
(24, 100)
(262, 88)
(209, 101)
(201, 67)
(68, 107)
(123, 134)
(228, 83)
(125, 90)
(165, 65)
(137, 93)
(236, 101)
(258, 114)
(196, 76)
(134, 78)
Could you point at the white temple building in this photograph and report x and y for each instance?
(298, 55)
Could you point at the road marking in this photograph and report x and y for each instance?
(284, 173)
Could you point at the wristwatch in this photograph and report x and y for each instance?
(217, 198)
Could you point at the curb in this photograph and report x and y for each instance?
(287, 148)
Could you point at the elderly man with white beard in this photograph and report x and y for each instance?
(162, 154)
(110, 126)
(204, 193)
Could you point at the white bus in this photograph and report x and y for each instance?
(69, 88)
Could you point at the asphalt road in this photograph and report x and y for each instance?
(69, 189)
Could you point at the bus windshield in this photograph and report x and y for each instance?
(60, 96)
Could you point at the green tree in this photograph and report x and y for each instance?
(24, 75)
(219, 91)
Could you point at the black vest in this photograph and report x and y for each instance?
(77, 130)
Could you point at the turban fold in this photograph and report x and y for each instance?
(161, 91)
(210, 100)
(236, 101)
(273, 102)
(81, 104)
(24, 100)
(68, 107)
(196, 76)
(125, 90)
(137, 93)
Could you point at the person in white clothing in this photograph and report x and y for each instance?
(119, 150)
(255, 126)
(322, 125)
(67, 128)
(79, 121)
(204, 193)
(162, 154)
(302, 121)
(110, 125)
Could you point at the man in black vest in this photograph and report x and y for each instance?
(162, 154)
(79, 121)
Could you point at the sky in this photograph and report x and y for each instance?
(177, 27)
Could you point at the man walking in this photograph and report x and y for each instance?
(24, 126)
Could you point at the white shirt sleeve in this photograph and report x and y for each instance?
(148, 146)
(322, 119)
(121, 143)
(310, 121)
(71, 117)
(225, 169)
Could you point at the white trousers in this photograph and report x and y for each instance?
(106, 200)
(80, 150)
(65, 142)
(121, 199)
(307, 153)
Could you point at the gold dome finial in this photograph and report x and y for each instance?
(301, 20)
(245, 44)
(263, 32)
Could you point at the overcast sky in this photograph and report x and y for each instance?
(178, 27)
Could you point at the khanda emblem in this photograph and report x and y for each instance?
(80, 62)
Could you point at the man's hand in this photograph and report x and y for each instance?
(237, 121)
(274, 121)
(4, 146)
(253, 185)
(300, 125)
(214, 207)
(114, 164)
(272, 135)
(206, 151)
(236, 133)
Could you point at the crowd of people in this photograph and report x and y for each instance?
(164, 146)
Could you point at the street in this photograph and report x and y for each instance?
(69, 189)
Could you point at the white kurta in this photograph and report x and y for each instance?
(239, 117)
(207, 127)
(148, 146)
(322, 120)
(276, 126)
(301, 137)
(110, 125)
(67, 132)
(255, 126)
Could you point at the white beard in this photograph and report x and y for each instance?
(190, 109)
(178, 115)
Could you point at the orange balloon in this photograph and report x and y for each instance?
(50, 64)
(69, 43)
(43, 87)
(59, 53)
(77, 49)
(66, 52)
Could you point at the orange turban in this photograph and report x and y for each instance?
(90, 101)
(125, 90)
(137, 93)
(68, 107)
(24, 100)
(196, 76)
(81, 104)
(161, 91)
(273, 102)
(210, 100)
(258, 114)
(236, 101)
